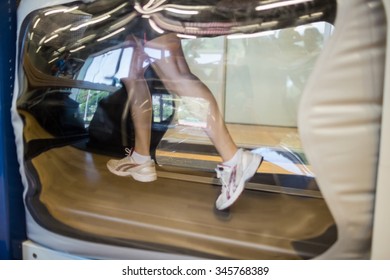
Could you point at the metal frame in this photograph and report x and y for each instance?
(12, 221)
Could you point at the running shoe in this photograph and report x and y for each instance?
(233, 179)
(145, 172)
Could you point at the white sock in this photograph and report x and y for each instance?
(140, 159)
(233, 161)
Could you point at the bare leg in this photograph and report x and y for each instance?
(138, 164)
(140, 102)
(174, 72)
(239, 166)
(169, 63)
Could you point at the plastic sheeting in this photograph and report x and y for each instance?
(71, 115)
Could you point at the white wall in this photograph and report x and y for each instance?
(258, 79)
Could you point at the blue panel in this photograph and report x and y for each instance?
(12, 219)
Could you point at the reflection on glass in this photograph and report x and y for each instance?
(273, 85)
(256, 77)
(88, 102)
(193, 111)
(92, 69)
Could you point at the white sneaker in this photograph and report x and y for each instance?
(233, 179)
(145, 172)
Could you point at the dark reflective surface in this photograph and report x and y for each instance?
(60, 39)
(84, 50)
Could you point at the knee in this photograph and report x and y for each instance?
(180, 81)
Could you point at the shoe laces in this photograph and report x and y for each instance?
(129, 152)
(224, 173)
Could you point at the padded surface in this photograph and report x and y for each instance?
(340, 118)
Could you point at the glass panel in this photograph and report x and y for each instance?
(91, 70)
(257, 80)
(206, 59)
(88, 101)
(266, 74)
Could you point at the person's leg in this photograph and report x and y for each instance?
(138, 163)
(139, 101)
(239, 166)
(172, 68)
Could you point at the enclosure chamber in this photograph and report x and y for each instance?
(256, 57)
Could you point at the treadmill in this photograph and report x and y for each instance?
(255, 56)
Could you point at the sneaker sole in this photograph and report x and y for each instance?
(143, 178)
(249, 172)
(135, 176)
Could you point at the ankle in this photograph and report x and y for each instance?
(232, 161)
(138, 158)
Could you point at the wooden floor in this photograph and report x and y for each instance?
(171, 215)
(243, 135)
(249, 136)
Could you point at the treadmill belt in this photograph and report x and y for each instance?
(77, 192)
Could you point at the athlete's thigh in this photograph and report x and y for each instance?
(167, 56)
